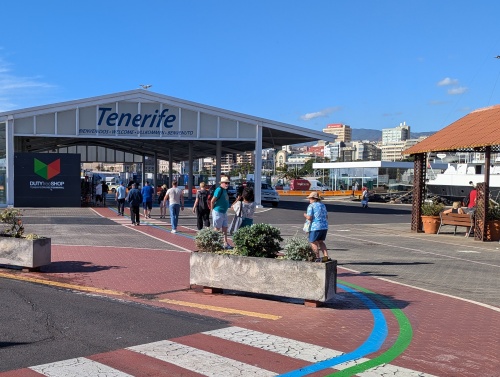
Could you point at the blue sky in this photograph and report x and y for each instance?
(368, 64)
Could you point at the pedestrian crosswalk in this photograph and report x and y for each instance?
(215, 354)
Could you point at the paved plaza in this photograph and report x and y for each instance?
(407, 305)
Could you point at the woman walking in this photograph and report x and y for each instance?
(161, 197)
(318, 216)
(245, 203)
(200, 207)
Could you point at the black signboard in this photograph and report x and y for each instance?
(47, 180)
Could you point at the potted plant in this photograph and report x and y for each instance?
(430, 216)
(16, 249)
(493, 222)
(256, 265)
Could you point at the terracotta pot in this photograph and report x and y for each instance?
(493, 230)
(430, 224)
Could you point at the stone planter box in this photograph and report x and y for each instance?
(25, 253)
(313, 282)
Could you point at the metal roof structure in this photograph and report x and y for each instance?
(475, 131)
(58, 127)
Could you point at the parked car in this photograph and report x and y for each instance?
(268, 194)
(231, 191)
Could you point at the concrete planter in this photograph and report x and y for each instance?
(25, 253)
(316, 282)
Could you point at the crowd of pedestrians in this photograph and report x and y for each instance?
(216, 203)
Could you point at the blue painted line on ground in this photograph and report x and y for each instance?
(372, 344)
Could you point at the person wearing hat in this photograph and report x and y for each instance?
(364, 198)
(318, 216)
(120, 195)
(220, 204)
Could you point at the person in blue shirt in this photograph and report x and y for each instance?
(147, 199)
(220, 204)
(318, 216)
(121, 193)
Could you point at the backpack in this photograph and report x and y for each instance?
(162, 195)
(203, 200)
(466, 201)
(211, 195)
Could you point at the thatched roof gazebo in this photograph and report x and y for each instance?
(478, 131)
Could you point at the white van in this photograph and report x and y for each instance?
(317, 185)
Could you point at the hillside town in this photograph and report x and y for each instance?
(339, 148)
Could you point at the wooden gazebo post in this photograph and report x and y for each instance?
(419, 167)
(482, 200)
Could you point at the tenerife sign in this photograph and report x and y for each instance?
(155, 123)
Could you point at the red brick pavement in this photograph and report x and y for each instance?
(451, 337)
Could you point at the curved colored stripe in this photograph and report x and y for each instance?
(399, 346)
(371, 344)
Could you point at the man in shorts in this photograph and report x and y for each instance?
(147, 199)
(220, 204)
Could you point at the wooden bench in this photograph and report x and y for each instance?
(457, 219)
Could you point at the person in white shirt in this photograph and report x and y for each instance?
(175, 198)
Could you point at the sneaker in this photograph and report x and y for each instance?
(133, 223)
(228, 247)
(173, 231)
(325, 259)
(138, 224)
(318, 260)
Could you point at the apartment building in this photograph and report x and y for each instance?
(342, 132)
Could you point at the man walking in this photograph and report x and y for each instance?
(220, 204)
(175, 198)
(135, 200)
(120, 194)
(147, 199)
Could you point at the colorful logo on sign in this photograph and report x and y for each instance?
(47, 171)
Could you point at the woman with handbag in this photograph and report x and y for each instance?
(244, 207)
(318, 217)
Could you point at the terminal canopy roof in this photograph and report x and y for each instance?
(473, 132)
(141, 122)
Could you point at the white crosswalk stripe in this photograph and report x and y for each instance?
(305, 351)
(210, 364)
(199, 361)
(79, 367)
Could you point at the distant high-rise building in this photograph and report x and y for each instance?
(396, 134)
(342, 131)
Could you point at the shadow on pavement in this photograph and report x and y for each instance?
(349, 301)
(383, 263)
(75, 266)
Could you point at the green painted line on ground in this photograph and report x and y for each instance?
(400, 345)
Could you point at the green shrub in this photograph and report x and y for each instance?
(299, 248)
(12, 218)
(432, 209)
(493, 211)
(258, 240)
(209, 240)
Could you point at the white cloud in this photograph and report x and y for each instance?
(447, 81)
(320, 114)
(14, 87)
(458, 90)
